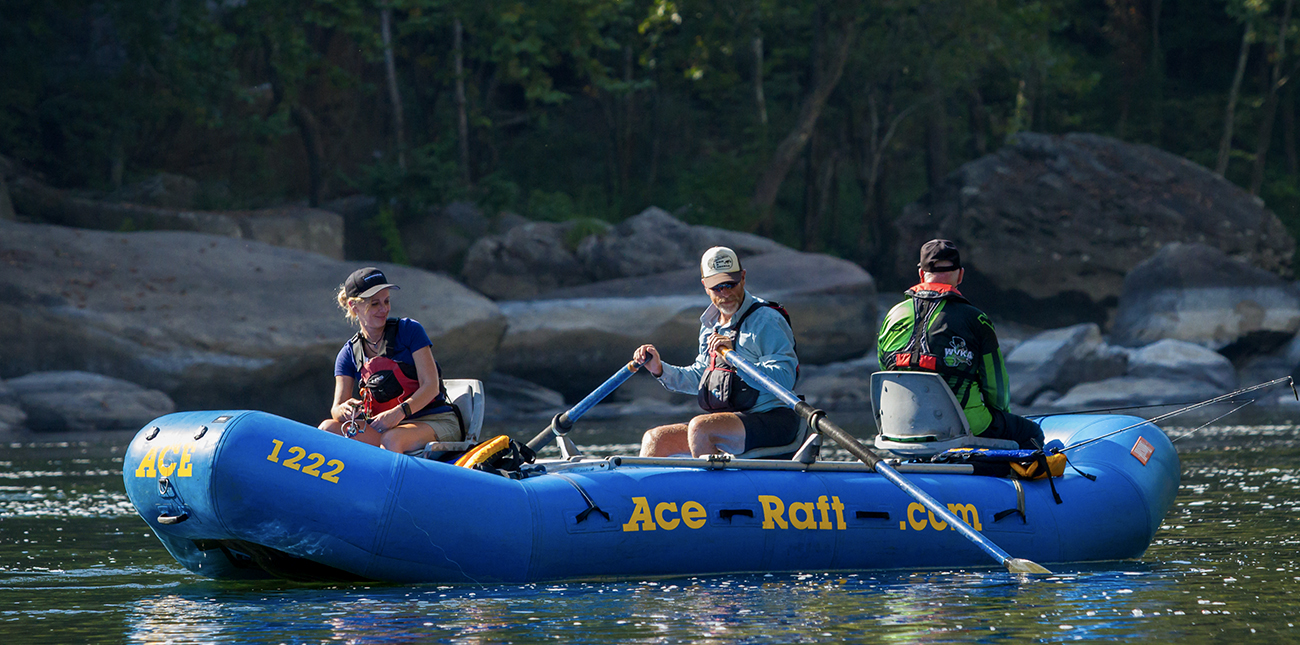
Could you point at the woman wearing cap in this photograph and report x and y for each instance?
(402, 404)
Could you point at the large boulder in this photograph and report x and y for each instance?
(1125, 391)
(1058, 359)
(75, 401)
(533, 259)
(163, 189)
(295, 227)
(839, 386)
(211, 321)
(524, 262)
(12, 416)
(1050, 225)
(574, 340)
(656, 242)
(1196, 293)
(1182, 361)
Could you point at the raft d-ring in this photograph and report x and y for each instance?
(202, 431)
(164, 486)
(153, 432)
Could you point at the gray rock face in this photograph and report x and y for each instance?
(531, 260)
(1125, 391)
(510, 397)
(656, 242)
(574, 341)
(1059, 359)
(1195, 293)
(1182, 361)
(526, 261)
(63, 401)
(839, 386)
(1049, 225)
(440, 241)
(296, 227)
(214, 322)
(163, 189)
(12, 416)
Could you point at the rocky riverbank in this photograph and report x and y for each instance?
(109, 329)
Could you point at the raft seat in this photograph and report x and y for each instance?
(779, 452)
(467, 395)
(918, 416)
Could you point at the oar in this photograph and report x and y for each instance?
(817, 421)
(562, 422)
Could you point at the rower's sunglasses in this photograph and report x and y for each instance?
(723, 286)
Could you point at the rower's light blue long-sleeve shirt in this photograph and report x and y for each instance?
(766, 341)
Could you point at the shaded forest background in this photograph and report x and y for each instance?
(809, 121)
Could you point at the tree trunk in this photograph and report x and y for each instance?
(394, 94)
(625, 134)
(979, 124)
(936, 142)
(462, 117)
(1225, 142)
(787, 152)
(314, 144)
(1288, 131)
(1155, 33)
(873, 236)
(759, 101)
(1270, 104)
(812, 171)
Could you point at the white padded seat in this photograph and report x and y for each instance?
(917, 416)
(467, 395)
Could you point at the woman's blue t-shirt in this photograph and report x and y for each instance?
(411, 338)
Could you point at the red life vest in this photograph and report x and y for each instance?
(386, 381)
(721, 388)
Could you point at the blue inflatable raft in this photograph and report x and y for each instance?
(241, 494)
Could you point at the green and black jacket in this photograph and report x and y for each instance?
(958, 342)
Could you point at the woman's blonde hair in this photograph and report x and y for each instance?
(344, 302)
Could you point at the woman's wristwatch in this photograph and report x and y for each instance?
(406, 407)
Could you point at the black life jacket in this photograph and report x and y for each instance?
(927, 299)
(388, 382)
(721, 388)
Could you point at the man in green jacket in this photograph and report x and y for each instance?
(958, 341)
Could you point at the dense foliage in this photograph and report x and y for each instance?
(812, 121)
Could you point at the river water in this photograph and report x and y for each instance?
(78, 565)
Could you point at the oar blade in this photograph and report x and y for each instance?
(1021, 565)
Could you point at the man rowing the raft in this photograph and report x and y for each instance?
(958, 341)
(740, 416)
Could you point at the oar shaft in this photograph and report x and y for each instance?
(561, 423)
(818, 421)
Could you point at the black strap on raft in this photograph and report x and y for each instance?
(1020, 505)
(591, 505)
(1088, 476)
(1041, 458)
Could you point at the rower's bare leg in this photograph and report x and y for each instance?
(710, 434)
(665, 441)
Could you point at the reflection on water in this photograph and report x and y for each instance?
(77, 565)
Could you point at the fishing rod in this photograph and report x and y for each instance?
(1217, 399)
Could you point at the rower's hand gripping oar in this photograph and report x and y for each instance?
(563, 421)
(818, 422)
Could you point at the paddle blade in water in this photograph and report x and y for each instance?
(1021, 565)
